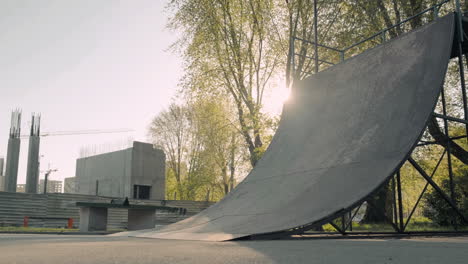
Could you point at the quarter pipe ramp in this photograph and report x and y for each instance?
(342, 134)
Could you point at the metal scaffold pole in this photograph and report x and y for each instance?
(316, 37)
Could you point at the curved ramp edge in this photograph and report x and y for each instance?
(343, 133)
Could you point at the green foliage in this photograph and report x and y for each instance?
(203, 149)
(234, 49)
(435, 207)
(438, 210)
(230, 51)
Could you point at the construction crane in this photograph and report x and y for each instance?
(46, 178)
(35, 135)
(82, 132)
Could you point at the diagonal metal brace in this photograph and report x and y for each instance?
(437, 188)
(337, 228)
(350, 221)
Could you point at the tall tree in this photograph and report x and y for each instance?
(202, 149)
(229, 49)
(234, 47)
(221, 140)
(175, 131)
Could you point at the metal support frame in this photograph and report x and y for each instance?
(342, 52)
(461, 68)
(449, 200)
(316, 36)
(397, 220)
(400, 202)
(424, 190)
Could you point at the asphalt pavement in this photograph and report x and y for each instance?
(71, 249)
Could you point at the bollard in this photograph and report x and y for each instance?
(70, 223)
(26, 221)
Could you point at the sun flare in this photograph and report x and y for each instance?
(276, 97)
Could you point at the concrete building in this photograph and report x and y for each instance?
(137, 172)
(52, 186)
(2, 183)
(2, 178)
(32, 173)
(21, 188)
(13, 151)
(69, 185)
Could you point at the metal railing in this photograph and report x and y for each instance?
(382, 34)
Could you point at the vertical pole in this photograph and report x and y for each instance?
(293, 60)
(395, 208)
(459, 19)
(290, 66)
(400, 202)
(46, 177)
(97, 187)
(316, 36)
(350, 221)
(449, 155)
(461, 67)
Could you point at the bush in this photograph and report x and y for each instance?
(439, 211)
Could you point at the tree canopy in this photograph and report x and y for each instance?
(236, 52)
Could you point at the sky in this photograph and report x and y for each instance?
(87, 65)
(83, 65)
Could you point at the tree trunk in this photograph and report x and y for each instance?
(379, 208)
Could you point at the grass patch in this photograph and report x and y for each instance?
(417, 224)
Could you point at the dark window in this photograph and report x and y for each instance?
(141, 192)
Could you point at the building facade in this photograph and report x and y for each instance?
(69, 185)
(2, 174)
(137, 172)
(21, 188)
(52, 186)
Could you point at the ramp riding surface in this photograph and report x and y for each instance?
(343, 133)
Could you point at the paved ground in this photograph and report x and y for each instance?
(70, 249)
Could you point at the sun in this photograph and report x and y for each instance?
(276, 96)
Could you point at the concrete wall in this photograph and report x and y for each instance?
(117, 172)
(148, 168)
(15, 206)
(112, 171)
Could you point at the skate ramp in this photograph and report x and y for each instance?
(342, 134)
